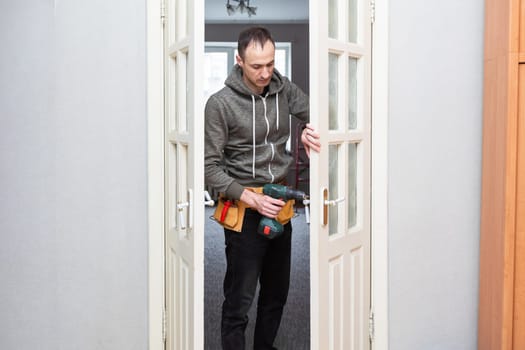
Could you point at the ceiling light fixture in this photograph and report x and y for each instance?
(243, 6)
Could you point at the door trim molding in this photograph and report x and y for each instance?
(155, 122)
(379, 224)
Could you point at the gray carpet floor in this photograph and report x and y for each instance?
(294, 333)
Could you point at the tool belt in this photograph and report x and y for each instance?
(230, 213)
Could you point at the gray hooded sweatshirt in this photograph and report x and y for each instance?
(246, 133)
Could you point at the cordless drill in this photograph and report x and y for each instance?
(271, 228)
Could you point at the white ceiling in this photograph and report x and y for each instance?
(267, 11)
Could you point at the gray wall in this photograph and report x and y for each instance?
(435, 119)
(73, 200)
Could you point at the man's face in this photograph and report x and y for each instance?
(257, 65)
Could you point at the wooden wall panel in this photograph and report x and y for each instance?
(496, 16)
(522, 30)
(501, 324)
(496, 328)
(495, 319)
(519, 281)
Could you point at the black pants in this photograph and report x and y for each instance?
(251, 257)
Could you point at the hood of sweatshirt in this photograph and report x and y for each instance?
(236, 82)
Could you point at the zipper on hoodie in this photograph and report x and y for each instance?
(266, 138)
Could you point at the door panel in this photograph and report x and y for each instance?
(340, 174)
(184, 157)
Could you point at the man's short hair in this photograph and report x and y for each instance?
(259, 35)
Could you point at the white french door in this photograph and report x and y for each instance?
(340, 78)
(184, 173)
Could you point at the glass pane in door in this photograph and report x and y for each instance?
(352, 185)
(182, 96)
(171, 186)
(333, 183)
(182, 190)
(352, 93)
(333, 23)
(187, 117)
(333, 91)
(352, 20)
(172, 94)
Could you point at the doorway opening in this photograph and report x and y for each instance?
(292, 52)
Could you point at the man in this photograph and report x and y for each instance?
(246, 132)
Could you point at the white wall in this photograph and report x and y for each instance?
(73, 201)
(435, 119)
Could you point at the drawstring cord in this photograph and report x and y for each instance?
(277, 109)
(253, 128)
(253, 136)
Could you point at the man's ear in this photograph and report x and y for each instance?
(239, 60)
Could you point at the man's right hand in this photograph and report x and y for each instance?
(265, 205)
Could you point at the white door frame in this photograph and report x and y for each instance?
(379, 220)
(379, 223)
(155, 124)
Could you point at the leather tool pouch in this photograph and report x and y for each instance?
(286, 214)
(230, 213)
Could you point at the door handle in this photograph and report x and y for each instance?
(333, 203)
(306, 203)
(180, 208)
(207, 199)
(329, 203)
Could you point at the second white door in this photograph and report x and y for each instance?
(340, 78)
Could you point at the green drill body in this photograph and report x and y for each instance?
(271, 228)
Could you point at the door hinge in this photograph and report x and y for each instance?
(163, 11)
(371, 325)
(372, 11)
(164, 325)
